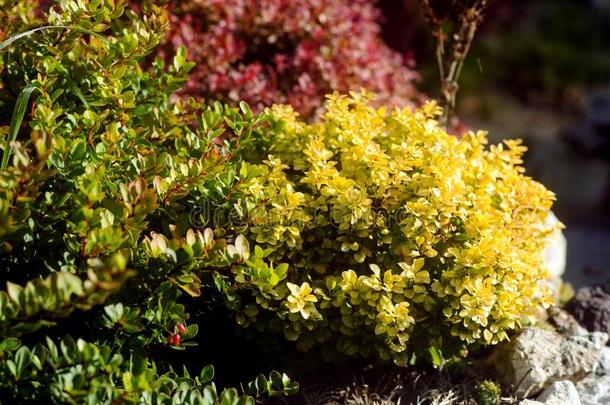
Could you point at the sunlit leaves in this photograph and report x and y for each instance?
(391, 228)
(105, 228)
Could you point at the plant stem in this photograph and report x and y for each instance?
(451, 54)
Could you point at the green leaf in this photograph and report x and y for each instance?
(261, 385)
(207, 374)
(276, 380)
(413, 359)
(245, 108)
(10, 344)
(436, 356)
(291, 388)
(79, 94)
(14, 291)
(138, 364)
(246, 400)
(53, 352)
(281, 270)
(18, 113)
(229, 397)
(285, 379)
(12, 367)
(191, 289)
(22, 359)
(191, 331)
(209, 395)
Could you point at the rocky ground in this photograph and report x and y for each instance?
(564, 360)
(563, 364)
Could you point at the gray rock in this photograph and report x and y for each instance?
(604, 362)
(591, 307)
(530, 402)
(555, 253)
(536, 358)
(564, 322)
(560, 393)
(594, 390)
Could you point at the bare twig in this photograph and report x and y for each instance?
(452, 47)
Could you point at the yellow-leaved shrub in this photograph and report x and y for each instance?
(375, 231)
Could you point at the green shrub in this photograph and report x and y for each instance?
(369, 233)
(99, 259)
(393, 237)
(488, 393)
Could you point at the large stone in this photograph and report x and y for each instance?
(555, 255)
(594, 390)
(604, 362)
(564, 322)
(556, 249)
(536, 358)
(560, 393)
(591, 307)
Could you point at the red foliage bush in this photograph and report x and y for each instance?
(287, 51)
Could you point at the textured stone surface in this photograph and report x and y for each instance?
(604, 362)
(564, 322)
(536, 358)
(594, 390)
(555, 256)
(560, 393)
(591, 307)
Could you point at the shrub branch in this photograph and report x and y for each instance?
(452, 46)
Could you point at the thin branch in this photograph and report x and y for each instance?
(453, 47)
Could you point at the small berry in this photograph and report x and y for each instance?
(173, 340)
(181, 328)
